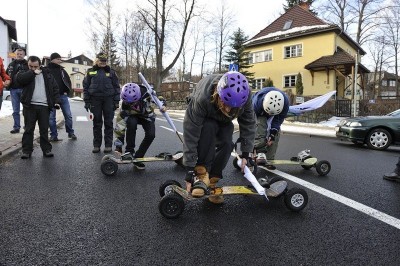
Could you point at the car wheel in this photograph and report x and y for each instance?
(379, 139)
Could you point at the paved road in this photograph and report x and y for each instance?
(64, 211)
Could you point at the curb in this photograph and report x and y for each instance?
(10, 151)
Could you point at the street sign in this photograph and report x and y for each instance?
(233, 67)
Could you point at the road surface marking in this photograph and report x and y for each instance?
(390, 220)
(167, 128)
(81, 118)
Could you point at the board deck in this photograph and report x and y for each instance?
(275, 190)
(309, 161)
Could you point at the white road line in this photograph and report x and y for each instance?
(167, 128)
(383, 217)
(81, 118)
(173, 119)
(390, 220)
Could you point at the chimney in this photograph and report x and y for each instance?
(304, 5)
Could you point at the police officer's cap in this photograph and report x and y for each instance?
(101, 56)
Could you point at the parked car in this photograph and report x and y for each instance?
(378, 132)
(6, 95)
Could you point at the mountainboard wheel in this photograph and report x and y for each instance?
(252, 167)
(109, 167)
(171, 206)
(163, 190)
(323, 167)
(296, 199)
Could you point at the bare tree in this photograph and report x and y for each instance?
(223, 23)
(380, 59)
(391, 28)
(158, 19)
(357, 18)
(338, 12)
(103, 22)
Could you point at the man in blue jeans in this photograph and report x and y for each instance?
(64, 86)
(19, 64)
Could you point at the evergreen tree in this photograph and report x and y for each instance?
(109, 47)
(268, 83)
(292, 3)
(299, 85)
(237, 55)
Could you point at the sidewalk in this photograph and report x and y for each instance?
(324, 129)
(12, 143)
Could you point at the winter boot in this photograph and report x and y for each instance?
(201, 181)
(394, 176)
(216, 192)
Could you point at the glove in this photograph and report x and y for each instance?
(116, 106)
(189, 174)
(123, 114)
(87, 106)
(272, 134)
(245, 155)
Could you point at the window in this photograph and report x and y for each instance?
(76, 61)
(262, 56)
(293, 51)
(77, 77)
(392, 83)
(75, 69)
(290, 81)
(258, 83)
(85, 63)
(78, 85)
(287, 25)
(384, 82)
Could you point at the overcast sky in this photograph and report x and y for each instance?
(59, 25)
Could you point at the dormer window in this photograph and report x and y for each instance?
(287, 25)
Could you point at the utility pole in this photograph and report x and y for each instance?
(27, 28)
(355, 85)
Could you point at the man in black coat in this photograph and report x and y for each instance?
(64, 86)
(39, 95)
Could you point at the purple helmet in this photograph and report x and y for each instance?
(233, 89)
(130, 93)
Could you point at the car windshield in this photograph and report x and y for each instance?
(394, 113)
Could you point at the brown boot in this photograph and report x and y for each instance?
(201, 182)
(216, 192)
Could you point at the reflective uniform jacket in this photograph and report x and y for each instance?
(101, 82)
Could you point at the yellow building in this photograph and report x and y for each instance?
(300, 42)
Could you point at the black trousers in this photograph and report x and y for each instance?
(149, 134)
(33, 114)
(215, 146)
(102, 107)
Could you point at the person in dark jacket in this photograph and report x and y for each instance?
(39, 96)
(5, 81)
(101, 95)
(271, 106)
(135, 110)
(64, 86)
(19, 64)
(208, 129)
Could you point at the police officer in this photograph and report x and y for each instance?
(101, 93)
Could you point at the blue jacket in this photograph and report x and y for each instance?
(257, 101)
